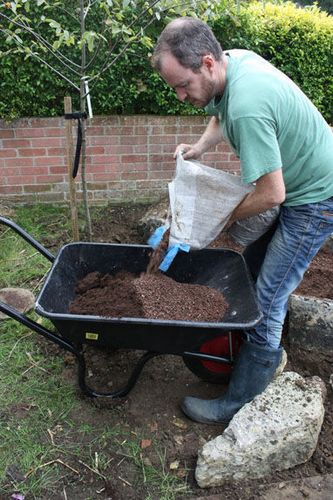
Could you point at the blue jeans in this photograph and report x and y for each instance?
(300, 233)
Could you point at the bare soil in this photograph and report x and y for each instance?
(151, 410)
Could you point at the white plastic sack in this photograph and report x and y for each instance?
(248, 230)
(202, 200)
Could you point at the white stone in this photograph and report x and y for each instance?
(311, 323)
(277, 430)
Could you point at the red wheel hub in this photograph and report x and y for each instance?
(219, 346)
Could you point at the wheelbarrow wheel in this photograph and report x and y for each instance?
(212, 371)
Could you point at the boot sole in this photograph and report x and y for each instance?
(204, 421)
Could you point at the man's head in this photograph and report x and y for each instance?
(190, 59)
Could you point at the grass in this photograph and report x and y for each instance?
(46, 438)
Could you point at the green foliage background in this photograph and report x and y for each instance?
(299, 41)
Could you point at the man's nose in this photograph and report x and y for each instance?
(181, 94)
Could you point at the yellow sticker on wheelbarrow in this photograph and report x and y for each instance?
(91, 336)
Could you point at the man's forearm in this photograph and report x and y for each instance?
(211, 136)
(268, 193)
(251, 205)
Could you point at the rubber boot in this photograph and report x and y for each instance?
(254, 370)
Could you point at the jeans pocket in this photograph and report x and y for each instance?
(327, 219)
(327, 213)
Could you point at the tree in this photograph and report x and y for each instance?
(79, 40)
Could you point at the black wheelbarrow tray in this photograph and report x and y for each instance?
(222, 269)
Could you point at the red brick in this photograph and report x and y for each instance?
(6, 133)
(95, 131)
(104, 159)
(37, 188)
(56, 151)
(133, 158)
(107, 176)
(21, 180)
(141, 130)
(213, 157)
(10, 171)
(11, 189)
(49, 160)
(8, 153)
(52, 179)
(31, 152)
(16, 143)
(139, 148)
(133, 175)
(197, 129)
(133, 139)
(155, 148)
(223, 146)
(96, 168)
(18, 162)
(160, 174)
(55, 132)
(104, 140)
(33, 170)
(161, 159)
(171, 130)
(30, 132)
(170, 166)
(162, 139)
(96, 185)
(95, 150)
(157, 130)
(48, 142)
(133, 167)
(58, 170)
(119, 149)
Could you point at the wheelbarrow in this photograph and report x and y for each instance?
(208, 349)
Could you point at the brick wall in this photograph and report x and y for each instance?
(129, 158)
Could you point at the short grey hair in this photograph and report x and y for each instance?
(188, 40)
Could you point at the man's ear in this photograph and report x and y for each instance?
(208, 62)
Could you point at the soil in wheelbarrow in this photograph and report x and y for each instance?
(150, 295)
(151, 412)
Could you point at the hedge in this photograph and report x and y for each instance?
(299, 41)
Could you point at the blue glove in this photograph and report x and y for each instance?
(171, 254)
(155, 239)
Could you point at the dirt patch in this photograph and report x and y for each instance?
(318, 279)
(151, 410)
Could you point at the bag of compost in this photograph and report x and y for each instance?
(202, 200)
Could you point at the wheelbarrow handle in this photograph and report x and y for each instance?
(27, 238)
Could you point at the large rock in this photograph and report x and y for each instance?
(20, 299)
(311, 322)
(277, 430)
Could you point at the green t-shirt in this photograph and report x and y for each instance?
(271, 124)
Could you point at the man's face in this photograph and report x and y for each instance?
(195, 88)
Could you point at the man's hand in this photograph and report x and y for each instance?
(188, 151)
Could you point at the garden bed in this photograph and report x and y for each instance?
(150, 415)
(159, 418)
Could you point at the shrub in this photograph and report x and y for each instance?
(298, 41)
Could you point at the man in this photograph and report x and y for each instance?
(285, 147)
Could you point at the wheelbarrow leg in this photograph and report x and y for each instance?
(117, 393)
